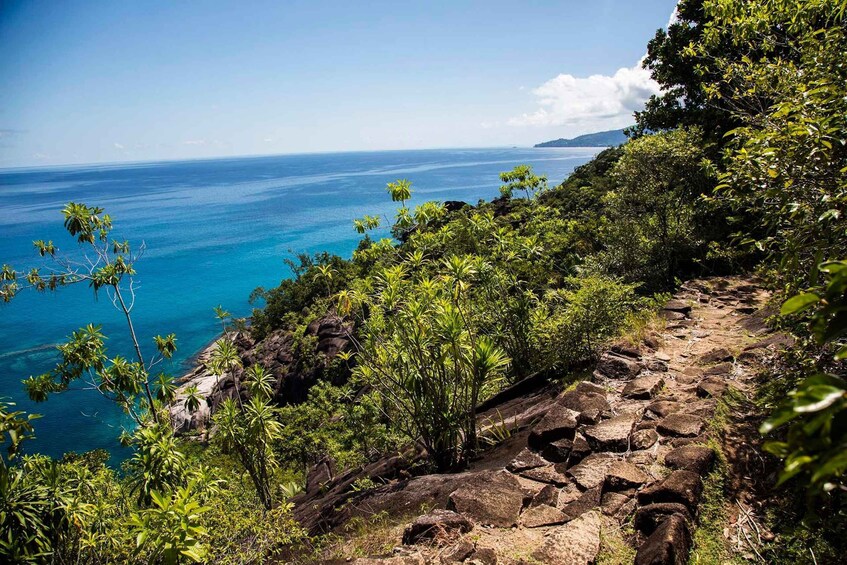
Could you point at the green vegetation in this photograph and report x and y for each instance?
(739, 164)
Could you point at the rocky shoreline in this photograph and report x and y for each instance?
(297, 361)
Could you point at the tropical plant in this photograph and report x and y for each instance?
(815, 412)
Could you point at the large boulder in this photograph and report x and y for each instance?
(716, 355)
(675, 305)
(490, 498)
(588, 500)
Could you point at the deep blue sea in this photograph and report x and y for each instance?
(214, 230)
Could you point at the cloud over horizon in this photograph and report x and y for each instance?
(597, 99)
(594, 101)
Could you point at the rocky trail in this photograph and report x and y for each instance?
(620, 457)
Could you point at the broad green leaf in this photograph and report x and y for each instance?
(797, 303)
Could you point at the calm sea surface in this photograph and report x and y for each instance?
(214, 230)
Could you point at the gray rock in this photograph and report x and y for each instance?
(668, 545)
(588, 500)
(715, 356)
(712, 387)
(558, 423)
(614, 366)
(557, 451)
(683, 425)
(643, 387)
(720, 369)
(588, 386)
(592, 406)
(612, 434)
(548, 495)
(694, 458)
(576, 543)
(643, 439)
(648, 518)
(591, 471)
(436, 524)
(547, 474)
(542, 515)
(675, 305)
(494, 498)
(526, 459)
(683, 487)
(623, 475)
(662, 408)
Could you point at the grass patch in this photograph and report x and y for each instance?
(710, 546)
(614, 549)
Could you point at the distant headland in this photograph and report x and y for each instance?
(600, 139)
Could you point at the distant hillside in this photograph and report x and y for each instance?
(599, 139)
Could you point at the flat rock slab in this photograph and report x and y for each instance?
(669, 544)
(547, 474)
(494, 498)
(591, 471)
(576, 543)
(694, 458)
(681, 425)
(712, 387)
(624, 475)
(716, 355)
(558, 423)
(643, 387)
(662, 408)
(675, 305)
(592, 406)
(436, 524)
(612, 434)
(719, 369)
(542, 515)
(526, 459)
(683, 487)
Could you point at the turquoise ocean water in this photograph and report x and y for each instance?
(213, 230)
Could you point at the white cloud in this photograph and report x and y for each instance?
(118, 145)
(194, 142)
(570, 100)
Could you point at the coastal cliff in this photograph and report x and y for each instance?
(297, 360)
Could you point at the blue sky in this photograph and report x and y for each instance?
(100, 81)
